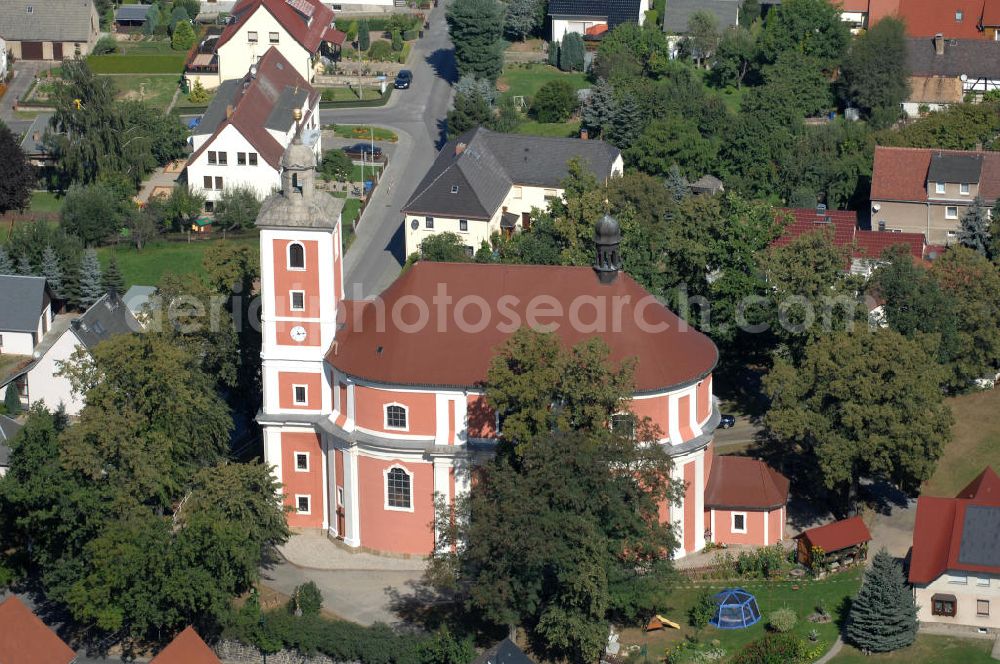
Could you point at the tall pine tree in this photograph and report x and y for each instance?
(24, 266)
(476, 30)
(11, 401)
(52, 272)
(883, 616)
(91, 284)
(974, 230)
(6, 264)
(113, 279)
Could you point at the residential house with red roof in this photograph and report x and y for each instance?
(955, 19)
(373, 409)
(25, 639)
(301, 29)
(955, 559)
(919, 190)
(245, 130)
(186, 648)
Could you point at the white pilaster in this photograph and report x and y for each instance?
(677, 511)
(325, 448)
(767, 533)
(330, 484)
(442, 487)
(699, 502)
(352, 519)
(272, 449)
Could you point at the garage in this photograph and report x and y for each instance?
(31, 50)
(57, 51)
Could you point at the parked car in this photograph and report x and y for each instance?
(403, 80)
(726, 421)
(364, 151)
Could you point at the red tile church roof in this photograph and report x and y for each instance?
(744, 483)
(444, 355)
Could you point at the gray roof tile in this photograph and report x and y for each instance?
(980, 544)
(106, 318)
(976, 58)
(21, 302)
(679, 12)
(616, 11)
(955, 168)
(48, 20)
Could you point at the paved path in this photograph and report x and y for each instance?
(315, 551)
(417, 116)
(832, 652)
(24, 74)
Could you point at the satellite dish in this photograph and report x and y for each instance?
(876, 207)
(36, 355)
(963, 78)
(414, 224)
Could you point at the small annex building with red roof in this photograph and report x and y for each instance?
(920, 190)
(844, 541)
(745, 501)
(186, 648)
(302, 30)
(245, 130)
(25, 639)
(955, 559)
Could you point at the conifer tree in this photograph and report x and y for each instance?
(11, 401)
(554, 53)
(52, 272)
(676, 183)
(364, 36)
(6, 264)
(571, 52)
(113, 279)
(24, 266)
(883, 616)
(91, 286)
(974, 231)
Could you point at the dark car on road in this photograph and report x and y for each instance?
(726, 421)
(364, 151)
(403, 80)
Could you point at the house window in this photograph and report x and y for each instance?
(218, 183)
(469, 251)
(340, 496)
(296, 256)
(395, 417)
(298, 300)
(253, 158)
(739, 522)
(302, 504)
(623, 425)
(463, 225)
(300, 395)
(272, 37)
(549, 194)
(516, 192)
(964, 188)
(951, 212)
(959, 16)
(211, 157)
(252, 37)
(302, 461)
(982, 607)
(209, 205)
(943, 605)
(398, 489)
(223, 160)
(454, 188)
(428, 222)
(208, 182)
(241, 158)
(939, 187)
(983, 581)
(960, 579)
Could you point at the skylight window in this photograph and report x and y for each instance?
(454, 188)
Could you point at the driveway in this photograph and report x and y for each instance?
(417, 115)
(24, 74)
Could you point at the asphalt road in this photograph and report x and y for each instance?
(417, 115)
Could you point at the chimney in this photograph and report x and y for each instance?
(459, 148)
(584, 134)
(229, 111)
(607, 237)
(821, 210)
(939, 44)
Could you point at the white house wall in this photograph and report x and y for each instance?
(560, 26)
(263, 177)
(16, 343)
(43, 382)
(237, 54)
(966, 595)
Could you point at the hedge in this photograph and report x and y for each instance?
(137, 64)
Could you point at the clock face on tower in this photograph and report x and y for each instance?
(298, 334)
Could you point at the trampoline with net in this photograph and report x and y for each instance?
(736, 609)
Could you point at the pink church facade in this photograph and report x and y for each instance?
(374, 409)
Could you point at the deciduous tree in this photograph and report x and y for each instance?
(875, 74)
(444, 247)
(703, 36)
(237, 208)
(555, 101)
(93, 212)
(810, 27)
(734, 57)
(17, 176)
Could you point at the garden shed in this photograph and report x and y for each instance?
(131, 18)
(841, 542)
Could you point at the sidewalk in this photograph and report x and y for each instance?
(315, 551)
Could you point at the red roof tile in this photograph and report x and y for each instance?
(254, 103)
(991, 13)
(838, 535)
(872, 244)
(186, 648)
(507, 296)
(926, 18)
(307, 26)
(744, 483)
(854, 6)
(25, 639)
(843, 224)
(900, 174)
(937, 533)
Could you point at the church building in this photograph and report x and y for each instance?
(372, 408)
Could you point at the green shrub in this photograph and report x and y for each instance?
(554, 53)
(184, 37)
(198, 95)
(381, 51)
(105, 45)
(554, 102)
(772, 649)
(571, 52)
(782, 620)
(702, 611)
(410, 35)
(11, 401)
(306, 599)
(397, 41)
(336, 165)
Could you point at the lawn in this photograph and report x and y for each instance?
(141, 63)
(348, 94)
(770, 597)
(356, 174)
(974, 444)
(157, 89)
(45, 201)
(927, 650)
(525, 81)
(156, 259)
(363, 132)
(568, 129)
(147, 46)
(352, 210)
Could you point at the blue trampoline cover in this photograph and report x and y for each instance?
(736, 609)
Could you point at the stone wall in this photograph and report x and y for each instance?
(234, 652)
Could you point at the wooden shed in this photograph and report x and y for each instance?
(842, 542)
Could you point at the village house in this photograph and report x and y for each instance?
(944, 71)
(49, 29)
(485, 182)
(302, 30)
(678, 12)
(955, 559)
(918, 190)
(25, 313)
(39, 379)
(186, 648)
(25, 638)
(245, 130)
(956, 19)
(368, 417)
(592, 18)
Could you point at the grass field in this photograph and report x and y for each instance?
(557, 129)
(148, 46)
(974, 445)
(156, 259)
(927, 650)
(525, 82)
(348, 94)
(770, 597)
(144, 63)
(356, 175)
(157, 89)
(361, 132)
(45, 201)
